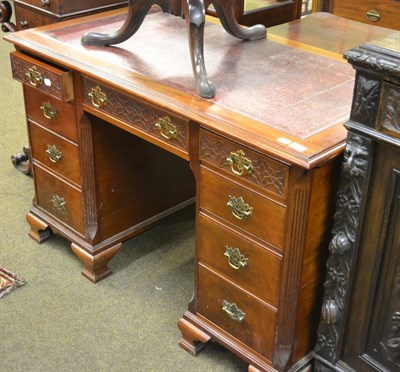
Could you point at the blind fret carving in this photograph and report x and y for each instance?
(267, 172)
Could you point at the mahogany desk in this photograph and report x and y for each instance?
(120, 140)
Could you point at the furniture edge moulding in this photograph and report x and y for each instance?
(376, 69)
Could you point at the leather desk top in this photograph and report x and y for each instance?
(266, 90)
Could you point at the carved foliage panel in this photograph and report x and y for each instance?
(389, 110)
(343, 246)
(366, 100)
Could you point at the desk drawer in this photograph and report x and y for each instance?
(57, 153)
(248, 211)
(30, 18)
(257, 269)
(163, 127)
(60, 199)
(375, 12)
(245, 165)
(51, 113)
(63, 7)
(51, 80)
(256, 329)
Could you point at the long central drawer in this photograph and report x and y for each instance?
(156, 125)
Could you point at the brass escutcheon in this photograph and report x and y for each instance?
(35, 77)
(55, 155)
(167, 128)
(49, 111)
(240, 209)
(232, 310)
(235, 258)
(59, 204)
(99, 98)
(240, 165)
(373, 15)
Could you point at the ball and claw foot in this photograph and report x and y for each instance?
(206, 88)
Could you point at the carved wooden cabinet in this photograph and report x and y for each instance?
(360, 323)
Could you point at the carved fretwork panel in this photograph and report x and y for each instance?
(366, 100)
(137, 113)
(343, 246)
(389, 111)
(267, 172)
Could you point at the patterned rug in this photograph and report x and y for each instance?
(9, 281)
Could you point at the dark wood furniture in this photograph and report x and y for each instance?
(120, 139)
(34, 13)
(383, 13)
(360, 325)
(266, 12)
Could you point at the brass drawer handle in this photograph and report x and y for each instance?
(236, 259)
(55, 155)
(59, 204)
(34, 76)
(240, 165)
(232, 310)
(45, 2)
(49, 111)
(240, 209)
(373, 15)
(167, 128)
(99, 98)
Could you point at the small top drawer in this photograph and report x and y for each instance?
(48, 79)
(158, 126)
(246, 165)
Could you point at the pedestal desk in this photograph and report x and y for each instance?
(120, 140)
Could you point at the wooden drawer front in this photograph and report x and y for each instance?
(42, 76)
(51, 113)
(267, 218)
(62, 7)
(381, 13)
(55, 152)
(29, 18)
(252, 267)
(146, 118)
(244, 164)
(59, 199)
(256, 330)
